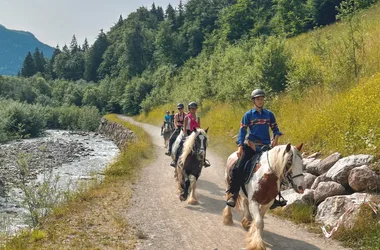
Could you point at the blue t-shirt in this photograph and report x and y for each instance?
(258, 124)
(167, 118)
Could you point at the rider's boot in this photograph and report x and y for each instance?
(234, 186)
(281, 202)
(206, 163)
(174, 162)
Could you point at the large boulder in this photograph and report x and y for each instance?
(312, 168)
(307, 161)
(309, 180)
(292, 196)
(363, 179)
(332, 208)
(341, 170)
(328, 189)
(328, 162)
(319, 179)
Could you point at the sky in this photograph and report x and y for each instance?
(55, 21)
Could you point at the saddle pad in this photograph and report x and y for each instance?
(250, 167)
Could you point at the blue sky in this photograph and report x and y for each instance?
(54, 22)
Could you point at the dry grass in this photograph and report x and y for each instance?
(95, 218)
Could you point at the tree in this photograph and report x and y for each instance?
(94, 57)
(324, 12)
(74, 48)
(181, 15)
(120, 21)
(39, 61)
(28, 68)
(171, 15)
(85, 46)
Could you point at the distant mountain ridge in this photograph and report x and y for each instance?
(14, 45)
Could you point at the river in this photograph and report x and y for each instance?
(64, 159)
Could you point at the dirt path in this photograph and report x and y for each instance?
(168, 223)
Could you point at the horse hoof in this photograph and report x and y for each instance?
(193, 202)
(227, 217)
(246, 224)
(183, 196)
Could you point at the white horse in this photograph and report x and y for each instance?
(274, 165)
(190, 164)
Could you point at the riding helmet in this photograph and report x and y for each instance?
(180, 106)
(257, 93)
(192, 105)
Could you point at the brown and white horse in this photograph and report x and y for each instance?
(190, 164)
(281, 162)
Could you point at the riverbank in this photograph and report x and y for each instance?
(94, 219)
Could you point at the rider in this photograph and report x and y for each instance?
(259, 120)
(191, 122)
(167, 118)
(178, 123)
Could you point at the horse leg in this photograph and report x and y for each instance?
(247, 218)
(180, 178)
(264, 209)
(227, 216)
(255, 240)
(193, 184)
(185, 183)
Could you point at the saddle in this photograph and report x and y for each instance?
(251, 167)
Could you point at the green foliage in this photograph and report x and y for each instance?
(297, 212)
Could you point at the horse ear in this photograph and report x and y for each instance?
(288, 147)
(299, 147)
(206, 130)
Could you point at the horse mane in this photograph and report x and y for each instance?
(278, 165)
(189, 143)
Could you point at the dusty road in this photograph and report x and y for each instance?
(170, 224)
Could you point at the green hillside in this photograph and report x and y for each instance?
(14, 45)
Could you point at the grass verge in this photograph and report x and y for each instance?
(94, 218)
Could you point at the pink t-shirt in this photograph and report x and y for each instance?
(193, 122)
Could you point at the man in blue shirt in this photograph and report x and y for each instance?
(258, 120)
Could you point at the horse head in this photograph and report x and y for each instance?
(293, 170)
(200, 143)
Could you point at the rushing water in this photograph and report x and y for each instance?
(73, 157)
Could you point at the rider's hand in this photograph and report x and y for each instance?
(239, 151)
(274, 142)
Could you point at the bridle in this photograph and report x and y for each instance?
(199, 151)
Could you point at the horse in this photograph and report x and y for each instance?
(168, 130)
(279, 163)
(190, 164)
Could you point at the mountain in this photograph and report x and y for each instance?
(14, 45)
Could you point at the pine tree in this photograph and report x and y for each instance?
(39, 61)
(74, 48)
(94, 57)
(50, 67)
(28, 68)
(160, 14)
(181, 14)
(85, 46)
(120, 21)
(170, 14)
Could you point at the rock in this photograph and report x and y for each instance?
(312, 168)
(308, 196)
(309, 180)
(328, 189)
(307, 161)
(291, 196)
(340, 171)
(315, 155)
(328, 162)
(363, 179)
(332, 208)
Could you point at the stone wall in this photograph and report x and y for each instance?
(116, 132)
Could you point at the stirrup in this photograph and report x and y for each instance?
(173, 164)
(167, 153)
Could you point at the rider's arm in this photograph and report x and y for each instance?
(185, 125)
(176, 121)
(243, 129)
(275, 129)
